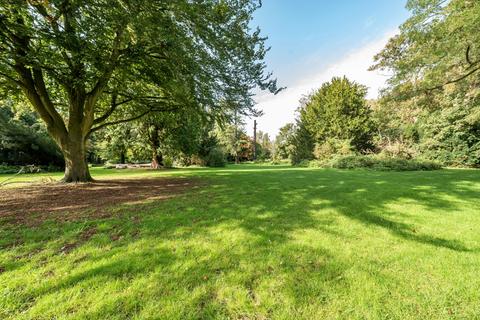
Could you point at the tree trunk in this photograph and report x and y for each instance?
(122, 157)
(157, 160)
(76, 166)
(254, 140)
(157, 157)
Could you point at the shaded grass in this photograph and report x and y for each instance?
(259, 242)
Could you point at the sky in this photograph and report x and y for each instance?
(314, 40)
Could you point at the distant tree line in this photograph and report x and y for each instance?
(171, 84)
(429, 110)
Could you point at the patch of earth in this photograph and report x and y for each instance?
(34, 204)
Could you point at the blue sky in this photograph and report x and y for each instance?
(313, 40)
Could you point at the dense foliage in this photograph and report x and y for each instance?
(24, 140)
(85, 65)
(169, 83)
(382, 164)
(429, 110)
(338, 110)
(435, 62)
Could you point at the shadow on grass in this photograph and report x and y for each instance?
(272, 203)
(242, 229)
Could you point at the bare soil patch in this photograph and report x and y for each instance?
(69, 202)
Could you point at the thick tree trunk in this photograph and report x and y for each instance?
(76, 166)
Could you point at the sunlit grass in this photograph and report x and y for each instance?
(259, 242)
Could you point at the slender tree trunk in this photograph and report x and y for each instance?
(157, 160)
(76, 166)
(122, 157)
(157, 157)
(254, 140)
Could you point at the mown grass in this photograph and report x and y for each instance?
(259, 242)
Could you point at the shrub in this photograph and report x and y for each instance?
(451, 134)
(167, 162)
(275, 162)
(397, 150)
(7, 169)
(332, 147)
(215, 158)
(383, 164)
(302, 163)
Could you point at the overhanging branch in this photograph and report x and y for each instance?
(439, 87)
(150, 110)
(17, 82)
(103, 125)
(113, 107)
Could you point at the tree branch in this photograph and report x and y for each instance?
(150, 110)
(469, 58)
(92, 130)
(53, 21)
(439, 87)
(113, 106)
(39, 83)
(103, 80)
(467, 55)
(17, 82)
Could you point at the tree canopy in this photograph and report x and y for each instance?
(436, 47)
(84, 65)
(338, 110)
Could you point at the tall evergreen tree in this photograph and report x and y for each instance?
(339, 110)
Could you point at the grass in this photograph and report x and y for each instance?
(259, 242)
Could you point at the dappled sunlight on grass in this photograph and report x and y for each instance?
(259, 242)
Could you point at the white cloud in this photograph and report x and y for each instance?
(280, 109)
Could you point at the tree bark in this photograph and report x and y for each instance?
(76, 166)
(157, 160)
(157, 157)
(70, 136)
(122, 157)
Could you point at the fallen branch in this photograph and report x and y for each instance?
(31, 168)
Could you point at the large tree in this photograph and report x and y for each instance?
(282, 145)
(434, 64)
(437, 47)
(87, 64)
(171, 134)
(338, 110)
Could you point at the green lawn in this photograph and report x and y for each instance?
(259, 242)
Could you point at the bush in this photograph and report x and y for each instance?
(331, 147)
(397, 150)
(302, 163)
(5, 169)
(167, 162)
(8, 169)
(382, 164)
(215, 158)
(25, 142)
(451, 135)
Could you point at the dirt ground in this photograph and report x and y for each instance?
(68, 202)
